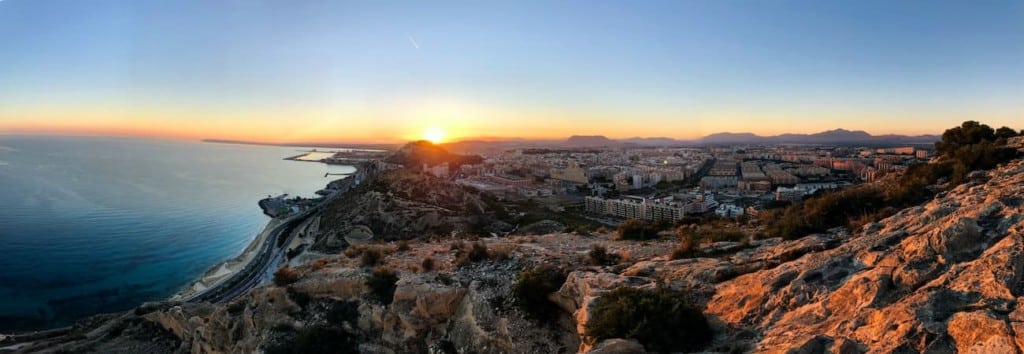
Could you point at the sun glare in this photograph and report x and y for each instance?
(434, 135)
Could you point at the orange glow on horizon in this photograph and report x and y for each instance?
(434, 135)
(444, 122)
(277, 133)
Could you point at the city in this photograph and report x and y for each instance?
(511, 176)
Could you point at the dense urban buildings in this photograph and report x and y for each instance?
(673, 183)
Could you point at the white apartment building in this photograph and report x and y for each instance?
(635, 208)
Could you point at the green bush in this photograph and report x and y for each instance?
(660, 319)
(532, 288)
(382, 283)
(640, 230)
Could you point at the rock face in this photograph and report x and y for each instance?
(942, 277)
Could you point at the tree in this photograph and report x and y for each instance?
(1005, 133)
(968, 133)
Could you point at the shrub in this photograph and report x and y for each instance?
(316, 339)
(445, 278)
(477, 252)
(500, 252)
(457, 245)
(427, 264)
(532, 288)
(354, 251)
(599, 255)
(660, 319)
(968, 133)
(685, 249)
(382, 284)
(370, 257)
(633, 229)
(320, 263)
(286, 275)
(402, 246)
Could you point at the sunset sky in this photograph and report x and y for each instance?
(389, 71)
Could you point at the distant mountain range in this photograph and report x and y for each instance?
(830, 137)
(837, 136)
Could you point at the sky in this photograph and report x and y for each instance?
(387, 71)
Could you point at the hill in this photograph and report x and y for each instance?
(589, 141)
(418, 153)
(944, 275)
(836, 136)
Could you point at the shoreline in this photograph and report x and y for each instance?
(212, 277)
(219, 272)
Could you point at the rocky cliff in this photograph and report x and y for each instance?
(942, 277)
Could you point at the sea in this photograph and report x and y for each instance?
(92, 225)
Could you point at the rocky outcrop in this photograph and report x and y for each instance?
(406, 204)
(579, 292)
(944, 277)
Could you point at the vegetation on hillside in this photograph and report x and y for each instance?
(532, 288)
(286, 275)
(969, 147)
(640, 230)
(382, 283)
(661, 319)
(417, 153)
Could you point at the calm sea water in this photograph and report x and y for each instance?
(92, 225)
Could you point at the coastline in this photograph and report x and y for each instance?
(218, 273)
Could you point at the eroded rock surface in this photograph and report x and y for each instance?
(943, 277)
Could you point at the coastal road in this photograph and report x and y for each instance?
(270, 254)
(255, 272)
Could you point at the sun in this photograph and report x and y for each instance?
(434, 135)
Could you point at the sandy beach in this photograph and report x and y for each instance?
(222, 271)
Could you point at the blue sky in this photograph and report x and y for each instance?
(350, 70)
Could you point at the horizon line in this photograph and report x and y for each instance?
(392, 141)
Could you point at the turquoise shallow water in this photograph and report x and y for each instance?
(91, 225)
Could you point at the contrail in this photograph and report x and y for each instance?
(411, 40)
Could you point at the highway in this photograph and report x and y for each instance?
(255, 272)
(270, 254)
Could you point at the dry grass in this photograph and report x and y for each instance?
(286, 275)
